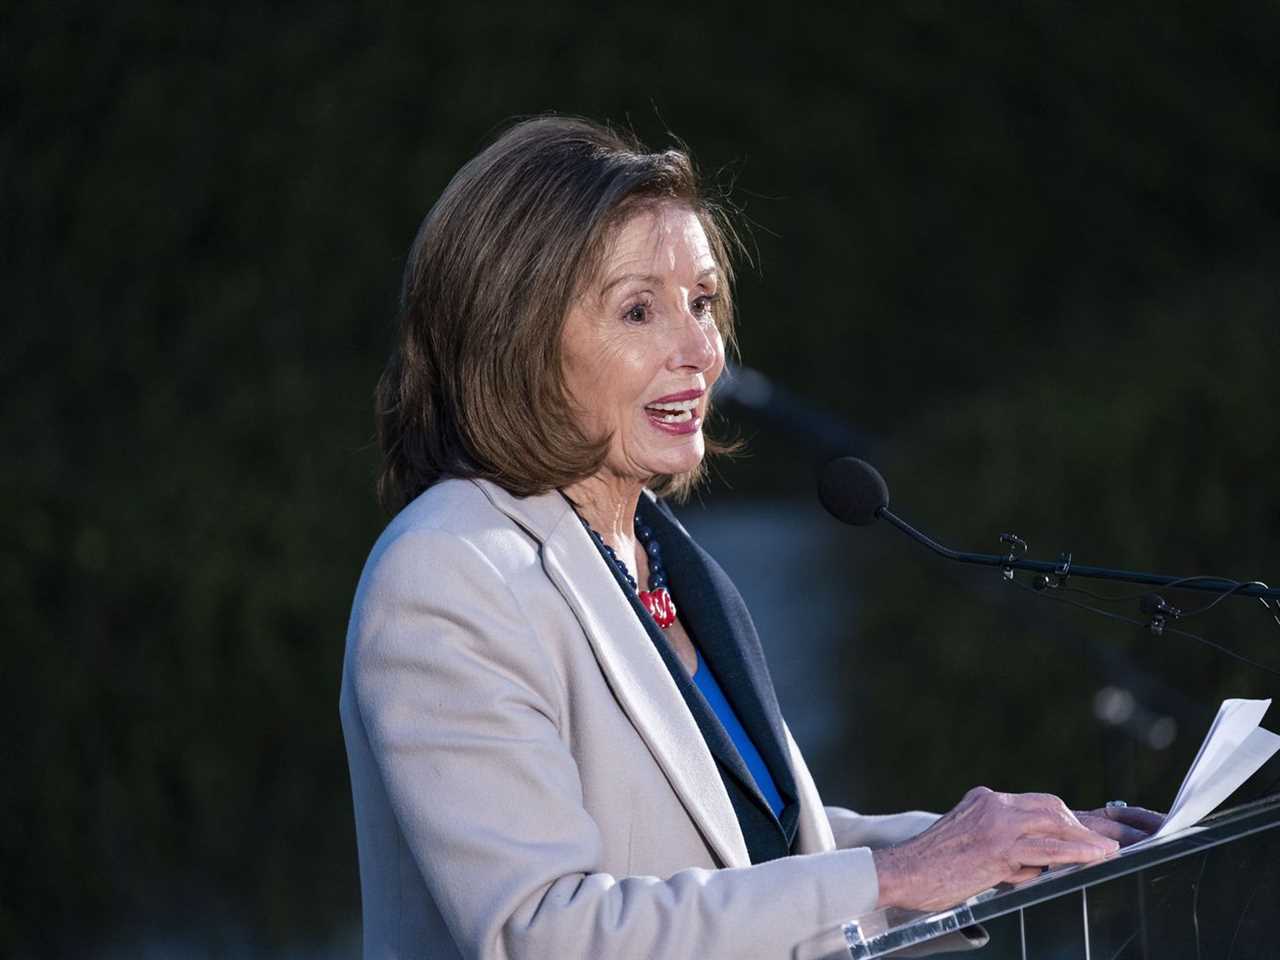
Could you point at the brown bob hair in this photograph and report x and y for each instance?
(474, 386)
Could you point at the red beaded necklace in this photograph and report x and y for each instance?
(657, 599)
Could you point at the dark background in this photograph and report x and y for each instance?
(1032, 254)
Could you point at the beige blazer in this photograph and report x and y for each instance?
(528, 781)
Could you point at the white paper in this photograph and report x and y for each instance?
(1236, 719)
(1212, 789)
(1232, 751)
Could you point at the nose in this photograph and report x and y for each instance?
(697, 343)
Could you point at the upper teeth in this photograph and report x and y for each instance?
(677, 406)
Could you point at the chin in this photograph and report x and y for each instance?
(682, 461)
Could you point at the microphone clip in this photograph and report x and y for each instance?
(1160, 611)
(1052, 581)
(1017, 550)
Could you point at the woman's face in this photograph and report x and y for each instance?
(641, 347)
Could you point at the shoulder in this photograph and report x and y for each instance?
(452, 569)
(449, 534)
(457, 507)
(464, 535)
(467, 516)
(445, 594)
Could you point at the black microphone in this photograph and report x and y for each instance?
(854, 492)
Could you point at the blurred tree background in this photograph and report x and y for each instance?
(1034, 253)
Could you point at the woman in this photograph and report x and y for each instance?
(546, 759)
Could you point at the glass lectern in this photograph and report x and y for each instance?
(1211, 891)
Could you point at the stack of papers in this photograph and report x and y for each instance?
(1235, 747)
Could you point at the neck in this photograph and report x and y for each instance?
(608, 504)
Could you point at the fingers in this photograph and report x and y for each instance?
(1050, 851)
(1044, 815)
(1048, 809)
(1144, 821)
(1059, 837)
(1120, 832)
(1076, 832)
(1037, 801)
(1147, 821)
(1055, 835)
(1052, 818)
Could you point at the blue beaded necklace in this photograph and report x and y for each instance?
(657, 599)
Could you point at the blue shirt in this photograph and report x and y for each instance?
(705, 681)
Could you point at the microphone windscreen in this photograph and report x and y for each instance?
(852, 490)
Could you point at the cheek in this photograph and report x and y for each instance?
(717, 368)
(609, 381)
(624, 373)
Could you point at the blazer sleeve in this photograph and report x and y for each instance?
(461, 704)
(852, 829)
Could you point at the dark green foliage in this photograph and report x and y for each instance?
(1035, 252)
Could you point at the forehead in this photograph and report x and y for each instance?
(659, 238)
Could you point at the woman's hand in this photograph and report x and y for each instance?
(1125, 825)
(988, 838)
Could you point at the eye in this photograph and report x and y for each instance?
(636, 313)
(704, 305)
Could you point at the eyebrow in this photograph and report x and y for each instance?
(648, 278)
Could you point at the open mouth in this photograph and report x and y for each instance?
(680, 411)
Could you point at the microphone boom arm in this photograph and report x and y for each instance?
(1065, 567)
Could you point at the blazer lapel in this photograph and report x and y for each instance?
(627, 657)
(716, 736)
(718, 618)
